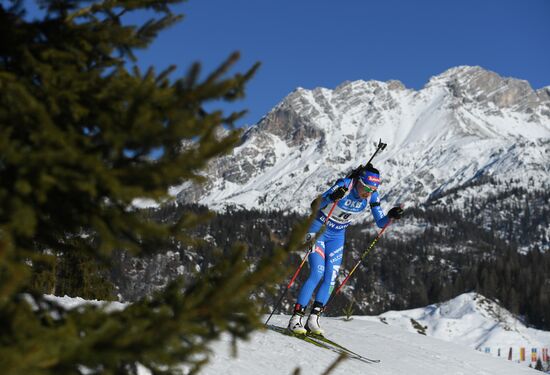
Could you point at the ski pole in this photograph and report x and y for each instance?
(359, 262)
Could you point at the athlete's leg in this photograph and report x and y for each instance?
(316, 272)
(334, 249)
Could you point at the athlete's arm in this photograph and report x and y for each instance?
(326, 196)
(379, 216)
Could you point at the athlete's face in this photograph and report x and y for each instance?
(363, 190)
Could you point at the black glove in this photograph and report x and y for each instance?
(338, 193)
(395, 213)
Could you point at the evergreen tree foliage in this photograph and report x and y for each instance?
(82, 136)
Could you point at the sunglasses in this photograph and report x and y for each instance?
(368, 189)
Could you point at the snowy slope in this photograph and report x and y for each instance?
(400, 352)
(453, 331)
(472, 320)
(465, 123)
(457, 327)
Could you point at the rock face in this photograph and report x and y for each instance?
(290, 125)
(489, 89)
(466, 123)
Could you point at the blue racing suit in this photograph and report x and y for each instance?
(326, 256)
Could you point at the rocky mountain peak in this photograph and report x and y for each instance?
(291, 119)
(544, 97)
(473, 84)
(466, 123)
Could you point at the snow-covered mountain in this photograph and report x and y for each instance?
(451, 333)
(472, 320)
(469, 138)
(464, 124)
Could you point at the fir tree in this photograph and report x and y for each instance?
(81, 137)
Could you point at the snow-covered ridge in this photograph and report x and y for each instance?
(472, 320)
(465, 123)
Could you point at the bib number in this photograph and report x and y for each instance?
(344, 215)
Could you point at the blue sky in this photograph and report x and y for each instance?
(307, 43)
(304, 43)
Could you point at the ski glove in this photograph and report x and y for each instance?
(395, 213)
(338, 193)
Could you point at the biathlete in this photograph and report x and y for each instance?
(353, 195)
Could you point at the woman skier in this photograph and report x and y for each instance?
(352, 197)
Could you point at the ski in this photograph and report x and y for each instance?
(351, 353)
(324, 343)
(305, 338)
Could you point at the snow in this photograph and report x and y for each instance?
(74, 302)
(454, 330)
(438, 138)
(400, 352)
(145, 203)
(474, 321)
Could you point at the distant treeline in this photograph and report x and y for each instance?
(451, 252)
(448, 255)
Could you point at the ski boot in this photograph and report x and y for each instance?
(295, 324)
(312, 324)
